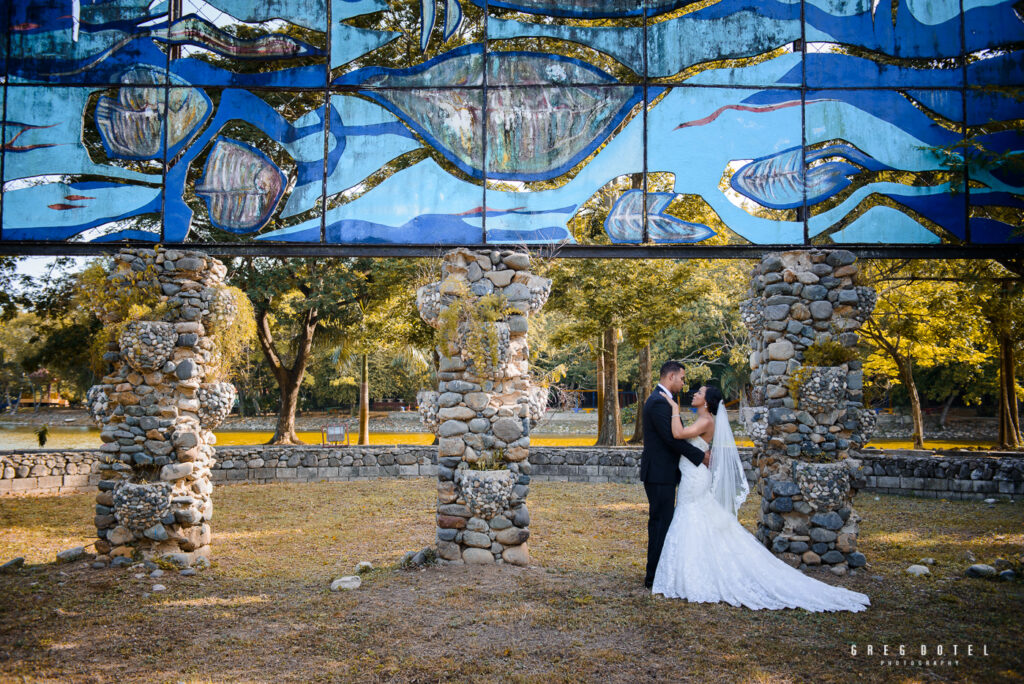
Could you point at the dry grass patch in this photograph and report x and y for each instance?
(264, 613)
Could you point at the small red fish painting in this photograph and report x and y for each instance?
(76, 198)
(65, 207)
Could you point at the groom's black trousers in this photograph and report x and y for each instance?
(662, 500)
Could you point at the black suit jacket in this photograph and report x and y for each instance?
(659, 463)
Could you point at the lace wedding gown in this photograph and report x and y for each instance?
(710, 557)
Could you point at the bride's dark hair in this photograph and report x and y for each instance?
(712, 397)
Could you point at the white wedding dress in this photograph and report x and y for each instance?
(710, 557)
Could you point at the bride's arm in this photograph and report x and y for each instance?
(695, 429)
(699, 427)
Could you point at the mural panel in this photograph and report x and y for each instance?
(996, 192)
(440, 122)
(757, 200)
(865, 43)
(872, 175)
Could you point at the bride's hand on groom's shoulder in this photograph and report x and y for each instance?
(670, 400)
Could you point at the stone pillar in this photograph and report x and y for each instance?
(809, 419)
(485, 404)
(157, 408)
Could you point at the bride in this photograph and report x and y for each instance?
(708, 555)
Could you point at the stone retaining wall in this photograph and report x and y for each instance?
(941, 474)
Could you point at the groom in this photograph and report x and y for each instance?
(659, 464)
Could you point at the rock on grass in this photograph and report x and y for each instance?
(70, 555)
(346, 583)
(12, 564)
(981, 570)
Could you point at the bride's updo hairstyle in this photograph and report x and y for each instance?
(712, 397)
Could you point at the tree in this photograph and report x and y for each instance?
(300, 301)
(66, 334)
(15, 336)
(12, 288)
(662, 297)
(601, 299)
(919, 321)
(387, 322)
(998, 289)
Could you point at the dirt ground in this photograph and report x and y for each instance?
(264, 611)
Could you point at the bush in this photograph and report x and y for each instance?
(829, 353)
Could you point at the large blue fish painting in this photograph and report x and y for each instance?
(778, 180)
(241, 186)
(134, 125)
(532, 133)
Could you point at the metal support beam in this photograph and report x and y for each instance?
(566, 251)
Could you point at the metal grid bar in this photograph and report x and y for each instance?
(870, 251)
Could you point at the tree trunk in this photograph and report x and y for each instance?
(1009, 416)
(600, 390)
(945, 410)
(907, 374)
(364, 401)
(1011, 388)
(284, 432)
(642, 389)
(288, 379)
(611, 434)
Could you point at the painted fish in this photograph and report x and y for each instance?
(241, 186)
(133, 126)
(532, 133)
(781, 180)
(626, 219)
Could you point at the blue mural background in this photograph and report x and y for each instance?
(520, 121)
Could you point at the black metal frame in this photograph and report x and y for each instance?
(569, 251)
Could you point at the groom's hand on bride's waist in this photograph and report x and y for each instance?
(707, 458)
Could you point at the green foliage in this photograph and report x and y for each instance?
(118, 299)
(234, 341)
(474, 317)
(12, 288)
(493, 459)
(697, 373)
(337, 309)
(926, 316)
(822, 353)
(829, 353)
(333, 379)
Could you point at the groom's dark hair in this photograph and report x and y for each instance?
(670, 367)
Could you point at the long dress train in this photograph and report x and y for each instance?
(710, 557)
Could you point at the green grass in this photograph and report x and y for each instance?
(263, 612)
